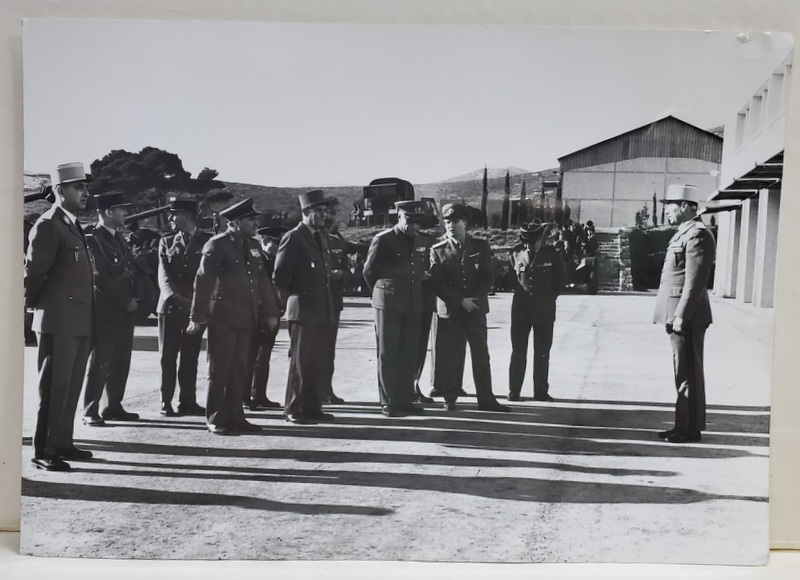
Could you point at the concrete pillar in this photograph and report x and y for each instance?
(747, 250)
(766, 248)
(727, 262)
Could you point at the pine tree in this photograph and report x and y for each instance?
(485, 197)
(506, 202)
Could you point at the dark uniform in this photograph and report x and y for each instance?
(303, 275)
(179, 256)
(395, 266)
(459, 272)
(338, 251)
(115, 288)
(683, 293)
(58, 287)
(539, 281)
(233, 296)
(263, 340)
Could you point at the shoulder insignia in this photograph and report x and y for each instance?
(441, 244)
(384, 232)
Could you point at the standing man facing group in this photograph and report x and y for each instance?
(396, 266)
(59, 289)
(682, 305)
(232, 295)
(539, 279)
(179, 255)
(304, 276)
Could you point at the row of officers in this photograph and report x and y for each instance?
(82, 288)
(83, 291)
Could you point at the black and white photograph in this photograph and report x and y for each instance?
(373, 292)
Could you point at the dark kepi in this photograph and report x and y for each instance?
(239, 210)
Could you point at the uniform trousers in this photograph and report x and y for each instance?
(258, 363)
(326, 381)
(228, 350)
(62, 363)
(174, 342)
(397, 337)
(522, 323)
(311, 346)
(108, 366)
(687, 361)
(452, 336)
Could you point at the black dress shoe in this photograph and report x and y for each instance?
(463, 393)
(94, 421)
(545, 398)
(191, 410)
(512, 396)
(420, 398)
(322, 417)
(74, 454)
(412, 409)
(667, 433)
(248, 427)
(683, 437)
(167, 410)
(450, 406)
(436, 392)
(388, 411)
(261, 404)
(219, 430)
(120, 415)
(299, 419)
(496, 407)
(333, 400)
(50, 464)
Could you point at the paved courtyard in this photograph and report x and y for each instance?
(583, 479)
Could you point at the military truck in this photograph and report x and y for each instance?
(380, 196)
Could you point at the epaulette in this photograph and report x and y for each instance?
(518, 247)
(700, 225)
(219, 236)
(384, 232)
(441, 244)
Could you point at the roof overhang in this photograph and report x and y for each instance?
(766, 175)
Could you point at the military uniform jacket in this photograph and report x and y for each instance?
(461, 273)
(115, 274)
(58, 276)
(178, 262)
(684, 277)
(231, 286)
(303, 274)
(540, 277)
(394, 270)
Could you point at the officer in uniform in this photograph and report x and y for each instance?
(539, 272)
(682, 306)
(59, 289)
(264, 339)
(396, 265)
(339, 248)
(304, 276)
(461, 275)
(116, 304)
(233, 296)
(179, 255)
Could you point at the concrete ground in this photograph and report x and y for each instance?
(583, 479)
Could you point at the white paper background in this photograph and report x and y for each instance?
(779, 15)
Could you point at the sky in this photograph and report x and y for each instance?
(325, 105)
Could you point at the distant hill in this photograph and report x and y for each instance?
(283, 200)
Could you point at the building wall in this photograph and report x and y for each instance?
(610, 194)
